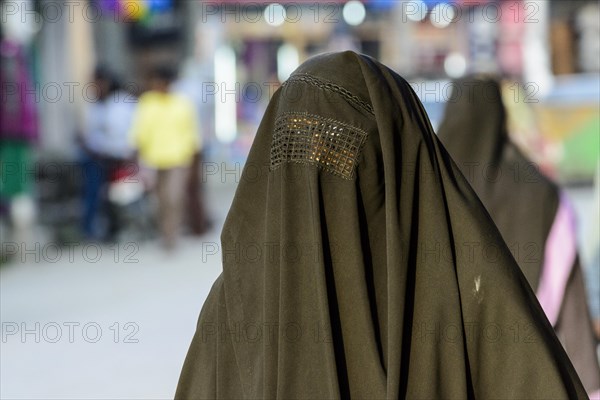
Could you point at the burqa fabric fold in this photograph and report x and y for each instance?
(528, 209)
(358, 262)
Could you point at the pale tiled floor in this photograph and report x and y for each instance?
(158, 294)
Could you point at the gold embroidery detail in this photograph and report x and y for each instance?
(326, 143)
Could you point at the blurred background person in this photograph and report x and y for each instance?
(106, 150)
(165, 133)
(535, 219)
(18, 137)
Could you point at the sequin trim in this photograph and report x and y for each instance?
(326, 143)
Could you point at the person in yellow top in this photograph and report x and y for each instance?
(165, 133)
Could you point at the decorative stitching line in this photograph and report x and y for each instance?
(330, 145)
(332, 87)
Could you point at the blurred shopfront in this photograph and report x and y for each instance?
(233, 54)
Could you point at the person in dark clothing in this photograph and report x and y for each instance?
(533, 216)
(376, 272)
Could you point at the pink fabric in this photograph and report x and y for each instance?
(559, 257)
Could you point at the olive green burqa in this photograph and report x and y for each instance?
(358, 262)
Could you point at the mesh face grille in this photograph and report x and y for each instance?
(326, 143)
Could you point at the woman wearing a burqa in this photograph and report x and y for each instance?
(534, 218)
(358, 262)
